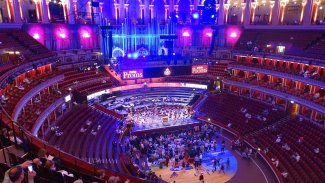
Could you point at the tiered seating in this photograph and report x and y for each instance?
(18, 40)
(286, 89)
(95, 86)
(310, 168)
(32, 110)
(295, 41)
(92, 136)
(73, 77)
(37, 50)
(219, 69)
(226, 108)
(201, 79)
(281, 67)
(14, 94)
(317, 50)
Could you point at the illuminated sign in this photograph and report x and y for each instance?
(199, 69)
(167, 72)
(132, 74)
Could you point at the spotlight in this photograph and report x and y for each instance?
(85, 35)
(209, 34)
(62, 35)
(195, 15)
(186, 34)
(36, 36)
(233, 35)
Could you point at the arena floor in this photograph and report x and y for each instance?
(210, 176)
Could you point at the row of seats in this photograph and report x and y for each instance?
(310, 167)
(226, 109)
(92, 137)
(295, 41)
(308, 71)
(286, 89)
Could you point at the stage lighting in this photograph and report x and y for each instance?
(195, 15)
(129, 55)
(186, 34)
(209, 34)
(62, 35)
(135, 55)
(36, 36)
(233, 35)
(85, 35)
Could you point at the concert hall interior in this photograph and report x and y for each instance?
(177, 91)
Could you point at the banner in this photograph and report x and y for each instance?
(199, 69)
(132, 74)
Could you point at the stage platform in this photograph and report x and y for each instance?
(210, 176)
(180, 124)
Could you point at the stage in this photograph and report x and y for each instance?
(187, 124)
(192, 175)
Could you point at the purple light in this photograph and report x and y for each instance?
(85, 35)
(209, 34)
(233, 35)
(36, 36)
(186, 34)
(62, 35)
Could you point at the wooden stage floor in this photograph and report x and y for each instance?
(192, 176)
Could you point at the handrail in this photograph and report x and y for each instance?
(279, 74)
(41, 118)
(267, 160)
(277, 93)
(43, 61)
(70, 160)
(291, 58)
(236, 134)
(26, 98)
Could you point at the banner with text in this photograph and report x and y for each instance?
(132, 74)
(199, 69)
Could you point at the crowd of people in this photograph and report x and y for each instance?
(177, 150)
(159, 115)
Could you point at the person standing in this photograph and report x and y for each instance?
(201, 178)
(222, 168)
(215, 164)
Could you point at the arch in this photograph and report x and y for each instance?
(118, 52)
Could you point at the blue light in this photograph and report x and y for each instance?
(129, 55)
(212, 16)
(195, 15)
(135, 55)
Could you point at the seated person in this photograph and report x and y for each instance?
(16, 174)
(316, 150)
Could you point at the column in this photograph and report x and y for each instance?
(116, 9)
(71, 14)
(221, 12)
(166, 12)
(16, 7)
(126, 11)
(307, 13)
(247, 15)
(276, 13)
(151, 9)
(142, 13)
(45, 11)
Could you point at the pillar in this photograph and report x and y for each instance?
(221, 12)
(45, 11)
(307, 17)
(166, 12)
(276, 13)
(71, 14)
(17, 15)
(247, 15)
